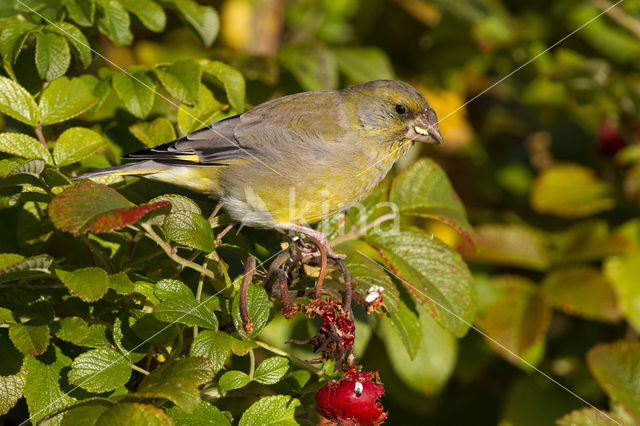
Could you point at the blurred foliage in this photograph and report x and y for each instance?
(545, 157)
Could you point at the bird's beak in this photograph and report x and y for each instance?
(425, 128)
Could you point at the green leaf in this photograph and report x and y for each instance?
(423, 189)
(509, 245)
(172, 289)
(589, 417)
(427, 370)
(30, 268)
(90, 284)
(17, 103)
(570, 190)
(98, 413)
(76, 143)
(137, 92)
(81, 11)
(12, 39)
(79, 43)
(205, 415)
(92, 207)
(616, 367)
(100, 370)
(407, 327)
(30, 339)
(121, 283)
(588, 241)
(76, 330)
(114, 22)
(314, 67)
(271, 410)
(24, 146)
(178, 382)
(53, 55)
(517, 319)
(11, 389)
(150, 14)
(154, 133)
(198, 116)
(233, 380)
(152, 330)
(433, 273)
(216, 346)
(189, 229)
(202, 19)
(64, 99)
(231, 79)
(181, 79)
(366, 274)
(362, 64)
(623, 272)
(8, 259)
(43, 390)
(271, 370)
(186, 311)
(257, 308)
(583, 291)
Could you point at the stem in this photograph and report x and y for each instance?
(98, 254)
(295, 360)
(139, 369)
(252, 364)
(250, 268)
(199, 291)
(356, 233)
(172, 254)
(619, 15)
(40, 135)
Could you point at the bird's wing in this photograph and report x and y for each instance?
(270, 129)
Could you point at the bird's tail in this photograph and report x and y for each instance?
(140, 168)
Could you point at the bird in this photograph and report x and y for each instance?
(292, 161)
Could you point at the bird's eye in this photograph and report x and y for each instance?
(401, 109)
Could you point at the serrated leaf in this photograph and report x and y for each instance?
(154, 133)
(189, 229)
(186, 311)
(313, 66)
(508, 245)
(433, 273)
(81, 11)
(271, 410)
(366, 274)
(257, 308)
(172, 289)
(76, 330)
(623, 272)
(231, 79)
(150, 14)
(29, 268)
(198, 116)
(570, 190)
(202, 19)
(588, 241)
(407, 327)
(233, 380)
(76, 143)
(114, 22)
(30, 339)
(63, 99)
(99, 370)
(85, 413)
(178, 382)
(181, 79)
(583, 291)
(216, 346)
(136, 91)
(271, 370)
(90, 284)
(616, 367)
(53, 55)
(8, 259)
(152, 330)
(434, 356)
(589, 417)
(79, 43)
(12, 39)
(43, 389)
(423, 189)
(362, 64)
(11, 389)
(24, 146)
(206, 414)
(517, 319)
(17, 103)
(121, 283)
(92, 207)
(100, 413)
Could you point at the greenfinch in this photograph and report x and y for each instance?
(294, 160)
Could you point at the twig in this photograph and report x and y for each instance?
(139, 369)
(250, 268)
(619, 15)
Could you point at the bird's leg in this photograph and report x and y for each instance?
(320, 237)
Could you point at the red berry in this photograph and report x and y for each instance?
(352, 399)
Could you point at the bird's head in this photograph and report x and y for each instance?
(394, 110)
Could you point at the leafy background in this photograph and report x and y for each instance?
(101, 291)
